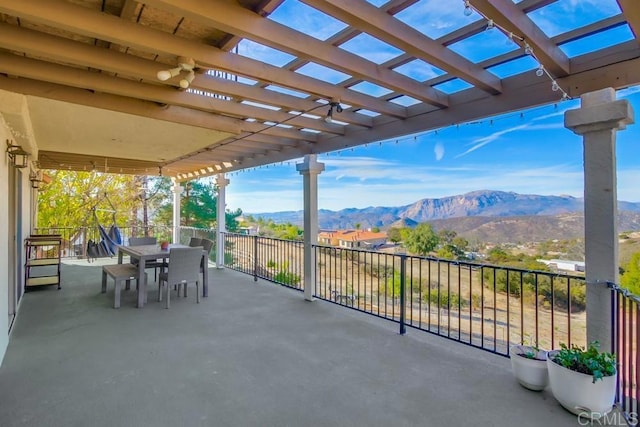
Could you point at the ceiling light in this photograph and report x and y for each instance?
(185, 82)
(184, 64)
(332, 105)
(329, 118)
(164, 75)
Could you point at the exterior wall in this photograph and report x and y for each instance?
(5, 239)
(16, 209)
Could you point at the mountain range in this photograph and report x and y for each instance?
(477, 213)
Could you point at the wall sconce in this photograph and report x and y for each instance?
(17, 155)
(36, 178)
(184, 64)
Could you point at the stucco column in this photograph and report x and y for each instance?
(221, 227)
(310, 168)
(597, 120)
(177, 190)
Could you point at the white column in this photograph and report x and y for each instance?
(221, 227)
(597, 120)
(177, 190)
(310, 168)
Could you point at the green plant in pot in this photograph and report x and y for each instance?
(529, 366)
(583, 381)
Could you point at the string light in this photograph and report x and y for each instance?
(528, 50)
(467, 8)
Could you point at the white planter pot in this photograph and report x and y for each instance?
(530, 373)
(578, 393)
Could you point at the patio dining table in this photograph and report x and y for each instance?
(144, 253)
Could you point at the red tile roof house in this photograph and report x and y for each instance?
(352, 238)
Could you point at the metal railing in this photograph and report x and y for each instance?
(485, 306)
(277, 260)
(626, 338)
(74, 239)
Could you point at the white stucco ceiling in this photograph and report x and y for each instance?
(65, 127)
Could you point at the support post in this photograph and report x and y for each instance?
(403, 298)
(177, 190)
(310, 168)
(221, 225)
(597, 120)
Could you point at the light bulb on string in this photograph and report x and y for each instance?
(467, 8)
(554, 86)
(540, 70)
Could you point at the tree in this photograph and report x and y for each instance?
(69, 199)
(446, 236)
(461, 243)
(422, 239)
(198, 208)
(393, 234)
(631, 277)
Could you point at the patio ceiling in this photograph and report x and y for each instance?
(89, 69)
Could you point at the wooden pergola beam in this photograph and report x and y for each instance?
(237, 20)
(373, 21)
(509, 16)
(81, 20)
(631, 11)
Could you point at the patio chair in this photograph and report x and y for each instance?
(195, 241)
(184, 268)
(141, 241)
(207, 245)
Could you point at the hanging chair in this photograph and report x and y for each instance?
(109, 239)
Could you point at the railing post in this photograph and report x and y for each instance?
(403, 270)
(255, 258)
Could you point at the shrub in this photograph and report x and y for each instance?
(286, 277)
(444, 299)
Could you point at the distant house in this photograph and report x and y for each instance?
(563, 264)
(363, 239)
(251, 231)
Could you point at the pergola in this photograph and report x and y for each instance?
(95, 101)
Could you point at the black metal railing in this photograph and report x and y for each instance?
(485, 306)
(276, 260)
(74, 239)
(626, 338)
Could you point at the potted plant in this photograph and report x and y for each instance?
(529, 366)
(583, 381)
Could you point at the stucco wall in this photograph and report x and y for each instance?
(5, 238)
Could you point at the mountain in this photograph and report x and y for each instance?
(484, 203)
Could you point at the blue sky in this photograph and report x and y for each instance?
(526, 152)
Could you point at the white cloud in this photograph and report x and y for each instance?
(481, 142)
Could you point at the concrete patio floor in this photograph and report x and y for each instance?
(251, 354)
